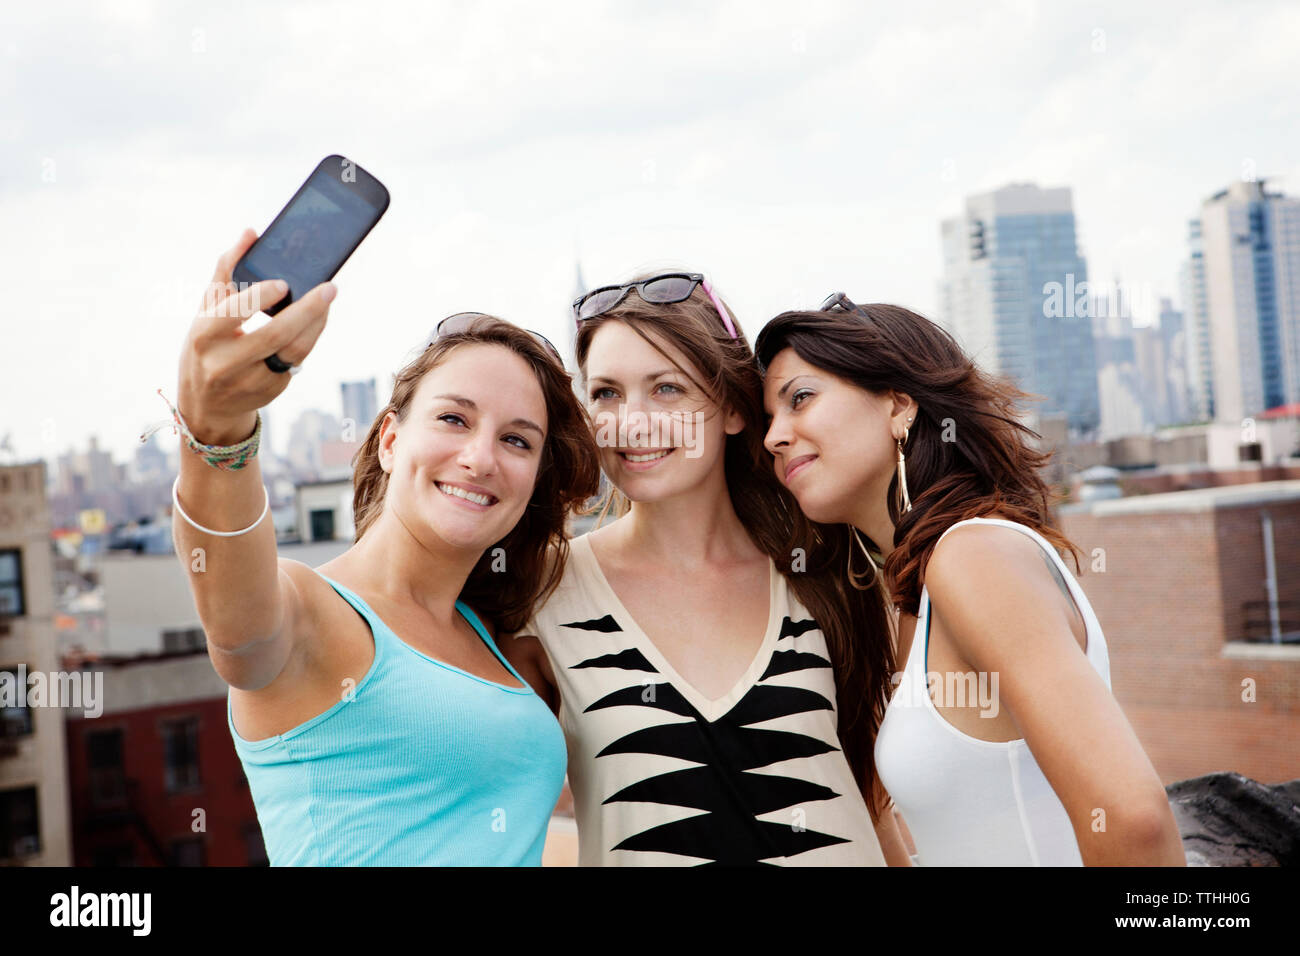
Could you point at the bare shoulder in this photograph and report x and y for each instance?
(979, 551)
(983, 577)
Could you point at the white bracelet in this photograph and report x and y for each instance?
(220, 534)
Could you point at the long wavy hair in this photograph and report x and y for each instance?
(967, 453)
(812, 557)
(568, 474)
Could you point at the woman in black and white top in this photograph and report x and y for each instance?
(697, 660)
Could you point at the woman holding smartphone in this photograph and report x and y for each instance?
(718, 680)
(880, 422)
(376, 720)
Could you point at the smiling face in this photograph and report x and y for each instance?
(832, 443)
(659, 434)
(463, 463)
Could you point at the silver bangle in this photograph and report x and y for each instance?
(176, 501)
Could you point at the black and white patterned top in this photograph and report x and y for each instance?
(663, 776)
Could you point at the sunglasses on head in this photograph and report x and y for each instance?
(462, 321)
(839, 301)
(662, 289)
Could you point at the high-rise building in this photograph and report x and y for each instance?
(1250, 244)
(33, 772)
(311, 430)
(150, 462)
(1197, 351)
(1015, 295)
(359, 407)
(1173, 336)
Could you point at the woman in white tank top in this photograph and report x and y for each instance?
(1002, 744)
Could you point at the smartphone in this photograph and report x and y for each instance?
(316, 231)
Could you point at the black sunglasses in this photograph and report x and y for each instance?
(461, 322)
(662, 289)
(838, 300)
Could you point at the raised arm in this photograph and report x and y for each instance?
(997, 601)
(248, 605)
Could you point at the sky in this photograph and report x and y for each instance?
(785, 150)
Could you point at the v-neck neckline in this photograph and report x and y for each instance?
(710, 710)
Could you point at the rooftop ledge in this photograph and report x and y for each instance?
(1193, 500)
(1261, 652)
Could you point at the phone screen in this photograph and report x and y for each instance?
(316, 232)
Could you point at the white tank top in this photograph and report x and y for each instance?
(662, 776)
(971, 802)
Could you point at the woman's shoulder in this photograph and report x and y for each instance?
(987, 552)
(990, 535)
(993, 571)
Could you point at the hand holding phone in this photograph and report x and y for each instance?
(223, 381)
(315, 233)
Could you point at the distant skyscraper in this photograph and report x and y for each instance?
(1197, 352)
(1173, 335)
(359, 405)
(311, 430)
(1251, 252)
(150, 462)
(1014, 294)
(579, 284)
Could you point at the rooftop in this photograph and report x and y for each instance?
(1200, 499)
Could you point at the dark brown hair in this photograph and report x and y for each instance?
(812, 557)
(967, 452)
(568, 474)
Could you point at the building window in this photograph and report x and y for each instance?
(184, 639)
(322, 525)
(20, 829)
(15, 721)
(181, 751)
(11, 583)
(107, 769)
(189, 852)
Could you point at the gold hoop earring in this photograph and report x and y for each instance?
(855, 578)
(902, 498)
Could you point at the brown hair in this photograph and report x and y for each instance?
(568, 474)
(967, 452)
(855, 623)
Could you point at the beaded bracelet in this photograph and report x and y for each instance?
(224, 457)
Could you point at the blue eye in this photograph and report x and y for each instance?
(523, 442)
(599, 394)
(676, 388)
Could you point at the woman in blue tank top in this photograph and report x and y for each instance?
(375, 718)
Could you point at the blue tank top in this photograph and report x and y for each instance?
(420, 764)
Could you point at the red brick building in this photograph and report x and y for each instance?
(1181, 584)
(155, 780)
